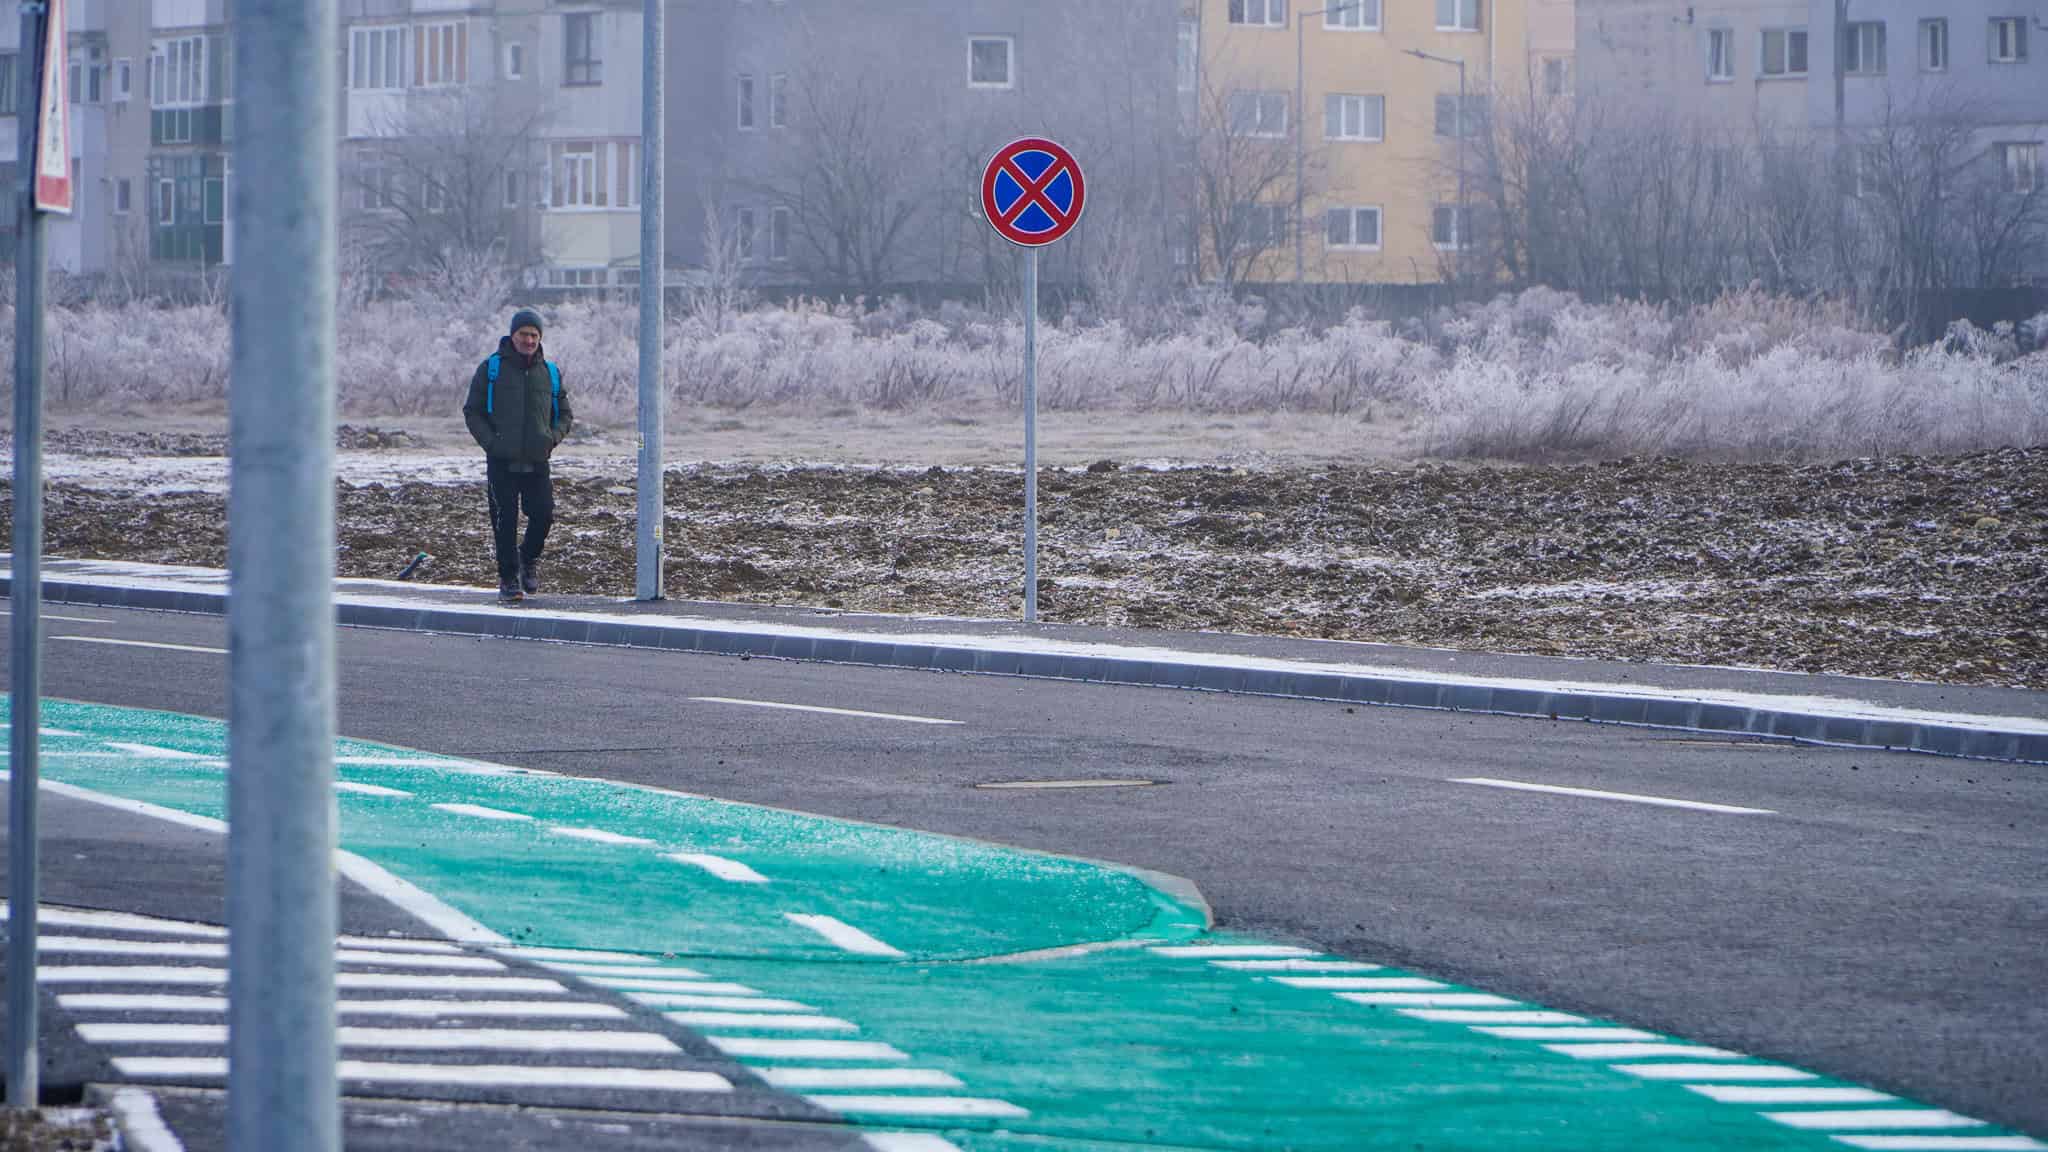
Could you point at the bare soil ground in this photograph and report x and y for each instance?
(1917, 568)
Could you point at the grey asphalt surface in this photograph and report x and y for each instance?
(1886, 924)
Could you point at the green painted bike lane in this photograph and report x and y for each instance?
(1007, 1000)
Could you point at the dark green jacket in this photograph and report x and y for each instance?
(523, 426)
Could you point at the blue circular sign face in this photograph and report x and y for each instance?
(1032, 192)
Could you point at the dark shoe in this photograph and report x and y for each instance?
(529, 577)
(508, 591)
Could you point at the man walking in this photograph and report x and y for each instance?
(518, 410)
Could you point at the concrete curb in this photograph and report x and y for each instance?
(1982, 740)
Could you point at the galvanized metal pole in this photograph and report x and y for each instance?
(653, 134)
(1030, 435)
(282, 1091)
(31, 265)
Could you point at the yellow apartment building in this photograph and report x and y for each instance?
(1380, 157)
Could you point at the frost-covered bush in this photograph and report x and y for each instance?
(1529, 375)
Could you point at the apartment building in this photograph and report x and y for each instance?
(1384, 140)
(1741, 66)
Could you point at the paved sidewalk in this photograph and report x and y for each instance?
(1991, 723)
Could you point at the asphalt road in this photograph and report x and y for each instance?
(1883, 922)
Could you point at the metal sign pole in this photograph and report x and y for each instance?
(647, 539)
(1030, 435)
(31, 265)
(282, 908)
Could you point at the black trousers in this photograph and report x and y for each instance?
(510, 491)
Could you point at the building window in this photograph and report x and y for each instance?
(88, 73)
(1556, 76)
(593, 174)
(580, 63)
(1450, 123)
(2022, 165)
(1934, 45)
(177, 72)
(123, 196)
(215, 191)
(1720, 54)
(515, 61)
(1354, 117)
(8, 95)
(1188, 55)
(1354, 16)
(1258, 113)
(376, 59)
(511, 187)
(743, 233)
(166, 202)
(124, 79)
(1353, 228)
(1265, 13)
(1784, 52)
(745, 98)
(433, 197)
(1867, 175)
(1259, 226)
(2008, 40)
(1447, 228)
(1458, 15)
(778, 100)
(988, 61)
(1863, 48)
(440, 55)
(780, 222)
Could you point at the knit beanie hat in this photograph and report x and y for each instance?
(526, 318)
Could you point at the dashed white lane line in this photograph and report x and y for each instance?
(961, 1106)
(152, 751)
(1492, 1016)
(207, 949)
(1296, 965)
(382, 981)
(1230, 951)
(141, 1124)
(843, 935)
(66, 619)
(597, 835)
(765, 1048)
(569, 968)
(722, 1003)
(1918, 1143)
(1873, 1119)
(815, 1078)
(826, 711)
(1361, 983)
(784, 1021)
(431, 1009)
(720, 867)
(1783, 1094)
(573, 955)
(1725, 1072)
(1565, 1032)
(482, 812)
(1430, 999)
(909, 1142)
(437, 1039)
(367, 789)
(468, 1075)
(1628, 797)
(690, 987)
(400, 944)
(142, 644)
(1643, 1052)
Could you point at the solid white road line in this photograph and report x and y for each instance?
(1514, 1032)
(428, 1009)
(572, 955)
(1361, 983)
(1643, 1052)
(141, 1124)
(1629, 797)
(813, 1078)
(1482, 1016)
(367, 789)
(720, 867)
(382, 981)
(692, 987)
(1228, 951)
(827, 711)
(909, 1142)
(1735, 1072)
(777, 1049)
(122, 921)
(438, 1039)
(1873, 1119)
(1296, 965)
(66, 619)
(399, 944)
(469, 1075)
(1918, 1143)
(482, 812)
(1430, 999)
(791, 1021)
(636, 972)
(597, 835)
(378, 958)
(142, 644)
(1780, 1094)
(976, 1106)
(730, 1003)
(843, 935)
(208, 949)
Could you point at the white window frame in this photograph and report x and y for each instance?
(2008, 40)
(1257, 13)
(389, 56)
(1460, 240)
(1351, 213)
(441, 53)
(1358, 16)
(1870, 41)
(124, 79)
(778, 100)
(1009, 44)
(1466, 15)
(1346, 109)
(1262, 102)
(587, 71)
(745, 116)
(781, 230)
(2020, 161)
(1720, 55)
(1783, 69)
(1933, 45)
(178, 72)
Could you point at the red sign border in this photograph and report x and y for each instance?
(1062, 160)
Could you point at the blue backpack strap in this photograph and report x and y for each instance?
(490, 382)
(555, 391)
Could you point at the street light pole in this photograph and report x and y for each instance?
(1301, 120)
(1464, 225)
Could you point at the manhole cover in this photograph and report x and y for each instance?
(1047, 785)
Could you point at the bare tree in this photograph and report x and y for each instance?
(1244, 174)
(719, 292)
